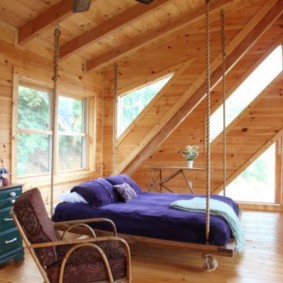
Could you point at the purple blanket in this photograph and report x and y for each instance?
(150, 215)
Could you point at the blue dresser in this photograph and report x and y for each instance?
(11, 247)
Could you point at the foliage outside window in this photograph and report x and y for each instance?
(257, 182)
(132, 103)
(34, 135)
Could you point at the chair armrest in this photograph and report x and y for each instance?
(87, 221)
(78, 225)
(91, 246)
(75, 241)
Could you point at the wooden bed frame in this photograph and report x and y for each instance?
(207, 251)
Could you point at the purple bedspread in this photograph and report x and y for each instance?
(149, 215)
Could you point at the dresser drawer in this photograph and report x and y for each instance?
(10, 240)
(6, 220)
(8, 197)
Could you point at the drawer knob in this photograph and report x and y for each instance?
(10, 241)
(8, 219)
(12, 194)
(12, 200)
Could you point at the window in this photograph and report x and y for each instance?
(129, 105)
(253, 85)
(34, 135)
(257, 182)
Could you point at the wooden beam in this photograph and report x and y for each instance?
(146, 38)
(273, 88)
(125, 18)
(52, 16)
(251, 33)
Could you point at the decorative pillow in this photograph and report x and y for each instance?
(71, 197)
(97, 192)
(123, 178)
(125, 192)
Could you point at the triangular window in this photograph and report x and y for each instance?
(252, 86)
(130, 104)
(257, 183)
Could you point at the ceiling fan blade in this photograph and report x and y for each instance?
(145, 1)
(81, 5)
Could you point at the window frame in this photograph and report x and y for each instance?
(87, 103)
(119, 134)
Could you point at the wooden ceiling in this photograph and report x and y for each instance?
(146, 41)
(112, 30)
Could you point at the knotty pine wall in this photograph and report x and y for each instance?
(244, 148)
(34, 62)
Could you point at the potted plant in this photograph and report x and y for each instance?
(190, 152)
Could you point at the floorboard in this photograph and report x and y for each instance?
(261, 262)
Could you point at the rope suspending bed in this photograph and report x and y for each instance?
(54, 113)
(210, 262)
(207, 249)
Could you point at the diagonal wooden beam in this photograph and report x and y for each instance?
(258, 25)
(188, 18)
(52, 16)
(126, 17)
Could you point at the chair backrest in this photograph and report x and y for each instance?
(37, 226)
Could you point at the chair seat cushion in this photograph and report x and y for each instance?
(86, 265)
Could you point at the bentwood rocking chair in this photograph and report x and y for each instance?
(87, 259)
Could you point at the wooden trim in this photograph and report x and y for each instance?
(91, 134)
(14, 127)
(260, 207)
(34, 84)
(279, 171)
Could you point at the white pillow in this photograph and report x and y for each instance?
(71, 197)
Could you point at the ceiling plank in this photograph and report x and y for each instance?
(188, 18)
(43, 21)
(258, 25)
(126, 17)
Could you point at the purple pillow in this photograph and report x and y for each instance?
(125, 192)
(123, 178)
(97, 192)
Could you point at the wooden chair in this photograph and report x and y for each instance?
(87, 259)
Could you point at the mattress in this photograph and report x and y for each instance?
(150, 215)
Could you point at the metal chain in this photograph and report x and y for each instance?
(208, 102)
(223, 44)
(56, 55)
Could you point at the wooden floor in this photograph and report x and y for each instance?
(261, 262)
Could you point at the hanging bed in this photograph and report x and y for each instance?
(207, 223)
(150, 217)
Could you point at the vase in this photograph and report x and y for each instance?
(190, 163)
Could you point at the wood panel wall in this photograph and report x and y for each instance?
(182, 52)
(261, 131)
(17, 62)
(191, 131)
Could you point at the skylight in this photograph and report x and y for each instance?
(254, 84)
